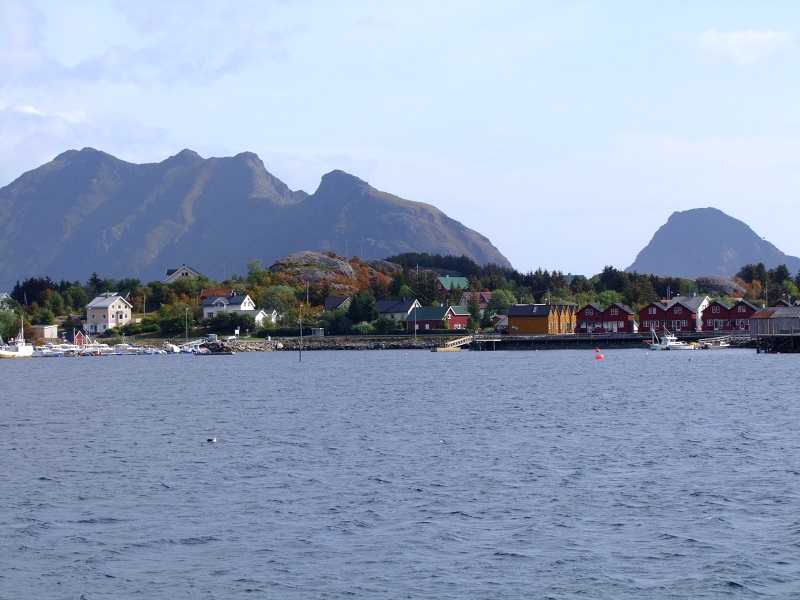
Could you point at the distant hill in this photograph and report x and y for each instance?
(705, 242)
(87, 211)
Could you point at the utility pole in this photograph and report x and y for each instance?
(301, 334)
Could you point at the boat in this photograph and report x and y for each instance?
(16, 347)
(668, 341)
(715, 345)
(48, 351)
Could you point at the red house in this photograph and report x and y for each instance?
(653, 317)
(721, 317)
(589, 319)
(619, 318)
(437, 317)
(685, 313)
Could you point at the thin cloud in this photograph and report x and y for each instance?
(29, 110)
(197, 45)
(743, 47)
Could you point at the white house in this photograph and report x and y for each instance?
(214, 305)
(396, 310)
(184, 272)
(4, 301)
(262, 316)
(106, 311)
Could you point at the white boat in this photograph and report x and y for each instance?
(668, 341)
(17, 347)
(48, 351)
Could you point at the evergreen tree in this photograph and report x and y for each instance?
(362, 308)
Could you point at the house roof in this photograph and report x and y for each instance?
(395, 306)
(171, 272)
(777, 312)
(106, 300)
(226, 300)
(529, 310)
(483, 297)
(449, 283)
(594, 306)
(435, 313)
(334, 302)
(206, 292)
(622, 307)
(693, 303)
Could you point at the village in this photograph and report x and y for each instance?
(460, 313)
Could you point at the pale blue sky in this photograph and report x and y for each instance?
(565, 131)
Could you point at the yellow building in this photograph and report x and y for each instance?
(541, 319)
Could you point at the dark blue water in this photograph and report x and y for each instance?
(391, 475)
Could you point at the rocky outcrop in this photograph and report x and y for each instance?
(313, 267)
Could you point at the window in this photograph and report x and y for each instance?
(645, 324)
(742, 308)
(614, 311)
(651, 310)
(678, 310)
(715, 309)
(684, 323)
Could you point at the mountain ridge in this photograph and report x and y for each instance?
(703, 242)
(96, 213)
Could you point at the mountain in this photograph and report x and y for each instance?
(706, 242)
(87, 211)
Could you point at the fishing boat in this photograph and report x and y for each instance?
(16, 347)
(668, 341)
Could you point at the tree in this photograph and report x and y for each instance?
(608, 297)
(336, 322)
(45, 317)
(95, 285)
(790, 290)
(9, 324)
(500, 301)
(362, 308)
(474, 308)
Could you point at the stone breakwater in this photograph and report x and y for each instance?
(293, 344)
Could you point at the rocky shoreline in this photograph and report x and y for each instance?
(310, 344)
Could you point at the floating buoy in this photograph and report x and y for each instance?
(598, 356)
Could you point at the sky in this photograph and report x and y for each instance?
(565, 131)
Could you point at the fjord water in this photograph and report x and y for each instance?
(385, 474)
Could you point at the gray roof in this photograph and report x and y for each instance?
(622, 307)
(334, 302)
(777, 312)
(226, 300)
(693, 303)
(529, 310)
(105, 300)
(394, 306)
